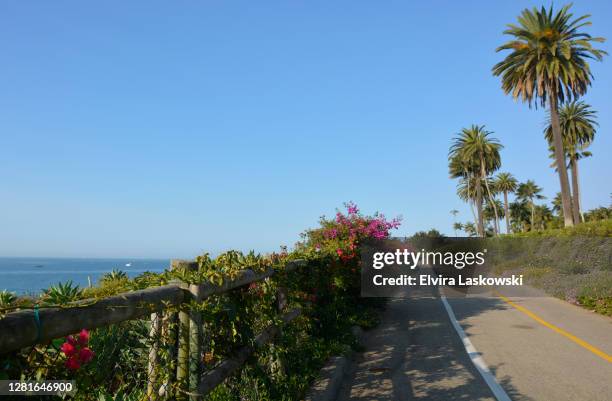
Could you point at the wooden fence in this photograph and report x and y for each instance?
(29, 327)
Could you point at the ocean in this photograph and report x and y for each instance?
(32, 275)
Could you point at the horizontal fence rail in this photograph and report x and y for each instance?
(32, 326)
(21, 329)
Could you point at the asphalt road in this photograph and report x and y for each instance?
(535, 347)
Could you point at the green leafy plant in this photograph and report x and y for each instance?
(6, 298)
(114, 275)
(61, 293)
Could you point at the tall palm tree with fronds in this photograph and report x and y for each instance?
(528, 191)
(475, 154)
(547, 64)
(466, 190)
(557, 206)
(578, 126)
(490, 214)
(463, 170)
(505, 183)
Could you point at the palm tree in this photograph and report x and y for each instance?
(470, 229)
(489, 213)
(475, 154)
(543, 216)
(548, 63)
(519, 213)
(455, 212)
(465, 189)
(577, 121)
(557, 206)
(457, 227)
(467, 192)
(505, 183)
(528, 191)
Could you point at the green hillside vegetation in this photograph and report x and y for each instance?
(573, 264)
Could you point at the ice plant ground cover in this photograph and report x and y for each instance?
(111, 362)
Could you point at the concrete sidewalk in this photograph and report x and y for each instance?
(414, 354)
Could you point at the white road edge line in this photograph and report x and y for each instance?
(477, 360)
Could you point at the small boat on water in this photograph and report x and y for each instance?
(128, 264)
(38, 265)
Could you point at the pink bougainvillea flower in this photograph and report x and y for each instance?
(83, 337)
(68, 349)
(86, 355)
(73, 362)
(340, 218)
(352, 208)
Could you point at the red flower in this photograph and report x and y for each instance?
(68, 349)
(339, 252)
(73, 363)
(76, 350)
(86, 355)
(72, 341)
(83, 337)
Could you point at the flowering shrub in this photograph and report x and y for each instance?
(77, 351)
(342, 235)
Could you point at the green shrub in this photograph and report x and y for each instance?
(598, 228)
(576, 268)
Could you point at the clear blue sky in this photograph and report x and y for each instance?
(162, 129)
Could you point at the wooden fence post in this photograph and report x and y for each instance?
(170, 333)
(281, 305)
(281, 299)
(195, 343)
(182, 358)
(153, 366)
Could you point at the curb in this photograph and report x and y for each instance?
(328, 384)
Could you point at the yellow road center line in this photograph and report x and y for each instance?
(556, 329)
